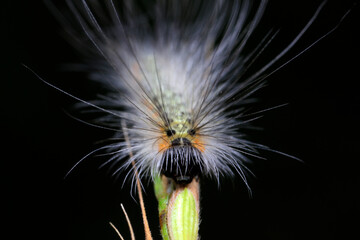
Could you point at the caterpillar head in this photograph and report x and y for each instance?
(182, 157)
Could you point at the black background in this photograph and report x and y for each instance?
(320, 125)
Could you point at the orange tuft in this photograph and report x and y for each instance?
(163, 145)
(199, 144)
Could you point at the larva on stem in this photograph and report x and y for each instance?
(149, 67)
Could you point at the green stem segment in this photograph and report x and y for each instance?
(178, 209)
(163, 189)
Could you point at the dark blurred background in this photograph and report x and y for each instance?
(320, 125)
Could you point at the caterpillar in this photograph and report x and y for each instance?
(180, 75)
(86, 48)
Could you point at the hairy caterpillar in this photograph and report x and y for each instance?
(181, 75)
(313, 98)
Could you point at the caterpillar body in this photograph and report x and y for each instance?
(179, 75)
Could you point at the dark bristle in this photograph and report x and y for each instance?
(182, 162)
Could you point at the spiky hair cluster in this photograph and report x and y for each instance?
(179, 73)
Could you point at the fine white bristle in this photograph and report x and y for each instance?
(177, 72)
